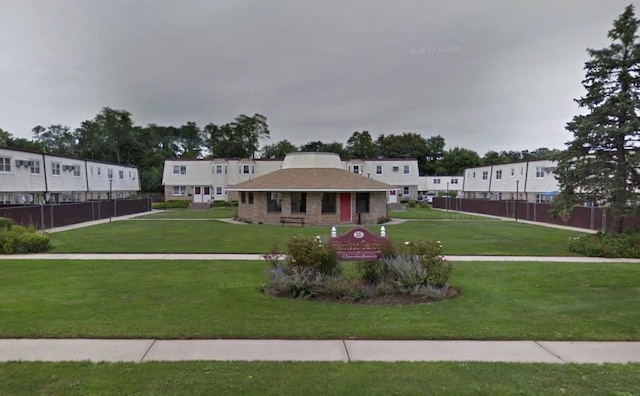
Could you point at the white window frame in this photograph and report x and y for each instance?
(245, 169)
(181, 191)
(55, 168)
(406, 170)
(5, 198)
(379, 169)
(436, 181)
(406, 190)
(498, 174)
(356, 169)
(219, 191)
(539, 172)
(99, 169)
(513, 172)
(485, 175)
(5, 164)
(109, 173)
(179, 169)
(76, 170)
(218, 169)
(34, 167)
(121, 174)
(454, 181)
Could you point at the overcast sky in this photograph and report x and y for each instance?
(485, 75)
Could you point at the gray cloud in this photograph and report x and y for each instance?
(492, 74)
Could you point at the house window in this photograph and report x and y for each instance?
(298, 202)
(485, 175)
(436, 181)
(5, 198)
(396, 168)
(35, 167)
(243, 199)
(218, 190)
(179, 169)
(76, 170)
(55, 168)
(110, 173)
(499, 175)
(378, 169)
(405, 190)
(356, 169)
(474, 175)
(329, 202)
(179, 190)
(250, 198)
(99, 171)
(5, 164)
(219, 169)
(406, 170)
(454, 181)
(246, 169)
(274, 202)
(521, 171)
(513, 171)
(362, 202)
(539, 172)
(121, 174)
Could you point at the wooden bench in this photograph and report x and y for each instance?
(292, 220)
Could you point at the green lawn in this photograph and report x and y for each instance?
(167, 299)
(218, 212)
(159, 236)
(433, 214)
(263, 378)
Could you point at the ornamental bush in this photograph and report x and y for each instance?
(625, 244)
(6, 223)
(23, 240)
(310, 252)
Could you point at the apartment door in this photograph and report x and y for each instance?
(206, 194)
(345, 207)
(197, 194)
(393, 196)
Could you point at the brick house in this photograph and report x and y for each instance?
(316, 187)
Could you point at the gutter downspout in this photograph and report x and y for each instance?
(46, 182)
(86, 177)
(490, 178)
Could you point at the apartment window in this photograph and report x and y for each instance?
(129, 174)
(539, 172)
(513, 172)
(218, 190)
(454, 181)
(274, 202)
(436, 181)
(5, 164)
(485, 175)
(5, 198)
(405, 190)
(298, 202)
(179, 169)
(499, 175)
(362, 202)
(35, 167)
(396, 168)
(179, 190)
(406, 170)
(243, 199)
(356, 169)
(110, 173)
(121, 174)
(219, 169)
(521, 171)
(250, 198)
(76, 170)
(99, 171)
(329, 202)
(378, 169)
(474, 175)
(55, 168)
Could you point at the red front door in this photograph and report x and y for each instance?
(345, 207)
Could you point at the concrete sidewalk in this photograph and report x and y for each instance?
(245, 257)
(141, 350)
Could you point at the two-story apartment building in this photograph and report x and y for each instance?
(200, 180)
(28, 177)
(438, 185)
(533, 181)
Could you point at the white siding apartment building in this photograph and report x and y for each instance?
(532, 181)
(438, 185)
(28, 177)
(204, 181)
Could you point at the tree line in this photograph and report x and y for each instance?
(112, 136)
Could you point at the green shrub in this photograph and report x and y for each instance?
(6, 223)
(411, 204)
(310, 252)
(171, 204)
(223, 203)
(369, 271)
(625, 244)
(23, 240)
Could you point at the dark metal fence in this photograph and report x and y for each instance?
(44, 217)
(582, 217)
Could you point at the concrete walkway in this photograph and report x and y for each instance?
(140, 350)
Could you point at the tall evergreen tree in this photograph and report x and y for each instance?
(602, 161)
